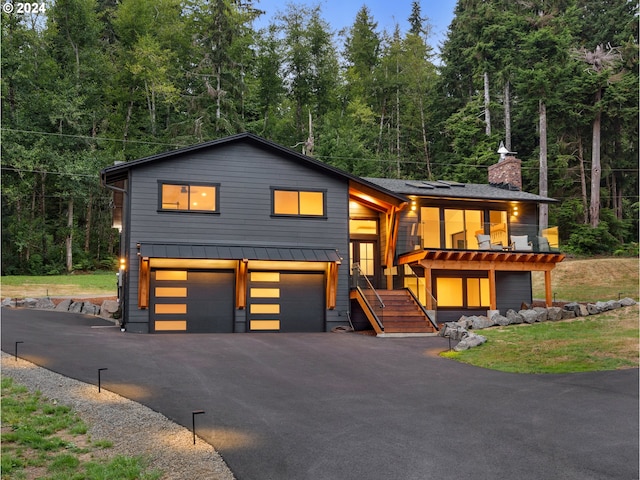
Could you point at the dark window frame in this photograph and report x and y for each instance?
(189, 184)
(298, 190)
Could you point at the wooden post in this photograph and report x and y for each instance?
(428, 294)
(547, 288)
(241, 284)
(143, 283)
(493, 298)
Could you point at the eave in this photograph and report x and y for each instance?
(482, 260)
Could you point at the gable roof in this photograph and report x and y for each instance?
(456, 190)
(120, 171)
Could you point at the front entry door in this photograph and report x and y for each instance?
(365, 253)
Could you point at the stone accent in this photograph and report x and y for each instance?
(460, 330)
(470, 341)
(109, 309)
(63, 306)
(89, 308)
(76, 307)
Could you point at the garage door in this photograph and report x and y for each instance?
(193, 301)
(286, 302)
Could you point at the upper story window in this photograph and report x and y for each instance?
(189, 197)
(302, 203)
(453, 228)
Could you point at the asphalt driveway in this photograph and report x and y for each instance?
(340, 406)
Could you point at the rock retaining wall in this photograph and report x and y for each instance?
(108, 309)
(460, 330)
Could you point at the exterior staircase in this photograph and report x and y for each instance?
(401, 314)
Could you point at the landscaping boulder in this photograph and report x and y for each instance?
(109, 308)
(627, 302)
(63, 306)
(465, 322)
(453, 331)
(480, 322)
(500, 320)
(470, 341)
(606, 306)
(514, 317)
(27, 302)
(45, 304)
(613, 304)
(568, 314)
(593, 309)
(89, 308)
(542, 314)
(554, 314)
(529, 316)
(75, 307)
(573, 307)
(8, 302)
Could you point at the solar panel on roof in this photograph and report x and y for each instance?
(436, 184)
(420, 185)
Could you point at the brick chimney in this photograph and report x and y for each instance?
(507, 173)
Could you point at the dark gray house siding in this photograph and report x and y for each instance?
(513, 289)
(245, 175)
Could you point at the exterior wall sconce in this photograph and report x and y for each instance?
(123, 262)
(515, 211)
(413, 205)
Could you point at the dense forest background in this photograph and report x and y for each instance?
(89, 82)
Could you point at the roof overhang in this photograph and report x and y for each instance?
(482, 260)
(238, 252)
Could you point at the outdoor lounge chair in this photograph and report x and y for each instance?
(521, 243)
(484, 243)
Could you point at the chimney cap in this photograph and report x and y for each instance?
(502, 150)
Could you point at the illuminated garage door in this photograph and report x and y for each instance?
(192, 301)
(286, 302)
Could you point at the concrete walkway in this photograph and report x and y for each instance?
(345, 406)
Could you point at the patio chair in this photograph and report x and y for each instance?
(484, 243)
(521, 243)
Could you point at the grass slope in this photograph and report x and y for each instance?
(591, 280)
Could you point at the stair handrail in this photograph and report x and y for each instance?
(434, 302)
(424, 310)
(358, 274)
(356, 266)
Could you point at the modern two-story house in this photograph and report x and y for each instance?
(243, 235)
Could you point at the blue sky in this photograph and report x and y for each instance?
(342, 13)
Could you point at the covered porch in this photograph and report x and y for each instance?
(482, 261)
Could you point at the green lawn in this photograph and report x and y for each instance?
(95, 283)
(43, 440)
(590, 280)
(607, 341)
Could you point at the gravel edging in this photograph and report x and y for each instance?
(134, 430)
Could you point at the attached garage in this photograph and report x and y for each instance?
(204, 289)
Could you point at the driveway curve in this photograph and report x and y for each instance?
(346, 406)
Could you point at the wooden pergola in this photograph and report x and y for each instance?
(489, 261)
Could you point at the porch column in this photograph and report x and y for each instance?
(492, 289)
(428, 294)
(547, 288)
